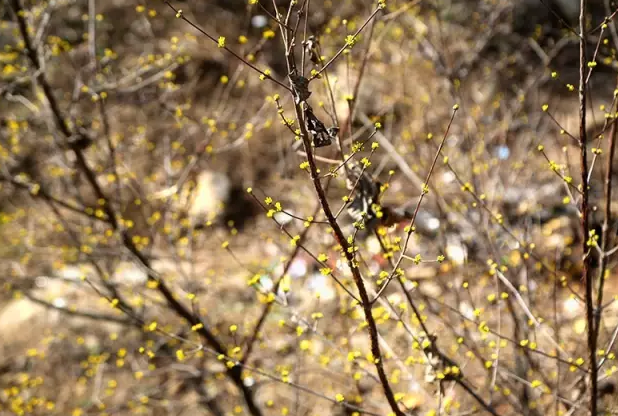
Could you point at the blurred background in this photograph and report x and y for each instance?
(128, 140)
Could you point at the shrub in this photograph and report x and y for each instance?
(308, 208)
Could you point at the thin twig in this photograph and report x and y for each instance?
(424, 191)
(605, 233)
(346, 46)
(234, 373)
(180, 15)
(268, 307)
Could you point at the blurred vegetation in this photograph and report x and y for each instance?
(164, 250)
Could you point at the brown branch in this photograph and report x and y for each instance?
(358, 280)
(424, 191)
(235, 373)
(585, 210)
(268, 306)
(349, 254)
(42, 193)
(435, 349)
(605, 236)
(240, 58)
(80, 314)
(346, 46)
(308, 252)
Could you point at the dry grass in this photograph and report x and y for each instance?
(169, 116)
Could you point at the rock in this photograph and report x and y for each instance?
(283, 218)
(373, 245)
(456, 251)
(209, 196)
(259, 21)
(321, 285)
(16, 315)
(129, 273)
(431, 288)
(572, 307)
(24, 312)
(298, 268)
(426, 223)
(76, 272)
